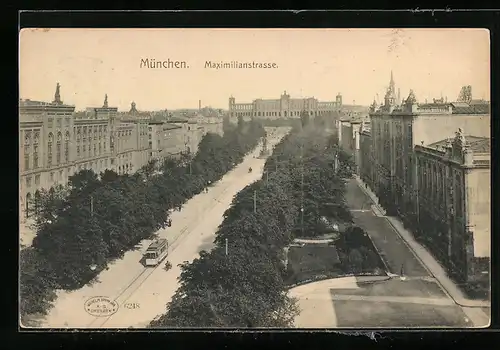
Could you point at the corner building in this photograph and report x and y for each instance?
(454, 204)
(56, 142)
(390, 164)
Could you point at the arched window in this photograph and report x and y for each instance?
(58, 148)
(28, 204)
(66, 147)
(36, 141)
(49, 149)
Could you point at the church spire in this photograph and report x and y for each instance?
(105, 101)
(57, 95)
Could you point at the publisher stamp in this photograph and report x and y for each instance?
(101, 306)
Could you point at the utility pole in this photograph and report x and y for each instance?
(226, 246)
(302, 187)
(254, 202)
(91, 205)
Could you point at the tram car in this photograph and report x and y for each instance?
(156, 252)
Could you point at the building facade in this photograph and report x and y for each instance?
(57, 142)
(394, 157)
(284, 107)
(454, 204)
(397, 128)
(349, 137)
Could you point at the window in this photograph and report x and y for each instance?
(28, 181)
(58, 148)
(51, 176)
(66, 147)
(105, 162)
(95, 132)
(100, 148)
(35, 157)
(104, 146)
(84, 150)
(78, 150)
(26, 161)
(37, 180)
(49, 149)
(61, 175)
(27, 139)
(50, 122)
(95, 149)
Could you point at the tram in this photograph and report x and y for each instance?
(156, 252)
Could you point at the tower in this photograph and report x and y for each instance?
(57, 95)
(105, 105)
(231, 103)
(338, 100)
(133, 109)
(390, 95)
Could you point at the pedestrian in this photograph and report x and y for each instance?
(402, 270)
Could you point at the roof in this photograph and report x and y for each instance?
(168, 126)
(476, 144)
(156, 244)
(472, 109)
(31, 103)
(176, 119)
(433, 105)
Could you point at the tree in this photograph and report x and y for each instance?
(304, 118)
(36, 284)
(82, 227)
(355, 261)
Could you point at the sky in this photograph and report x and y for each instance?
(89, 63)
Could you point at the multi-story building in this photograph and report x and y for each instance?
(366, 170)
(454, 203)
(348, 134)
(57, 142)
(390, 164)
(45, 146)
(397, 129)
(284, 107)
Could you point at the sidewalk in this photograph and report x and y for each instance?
(434, 268)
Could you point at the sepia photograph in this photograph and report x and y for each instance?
(254, 178)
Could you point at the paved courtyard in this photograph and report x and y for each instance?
(366, 302)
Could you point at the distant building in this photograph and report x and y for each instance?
(284, 107)
(349, 136)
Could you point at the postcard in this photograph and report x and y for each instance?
(254, 178)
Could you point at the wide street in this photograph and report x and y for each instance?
(140, 292)
(409, 297)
